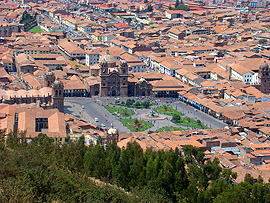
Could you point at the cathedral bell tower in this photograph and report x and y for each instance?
(58, 95)
(49, 79)
(264, 78)
(124, 67)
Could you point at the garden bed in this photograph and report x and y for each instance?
(168, 111)
(123, 112)
(136, 126)
(189, 122)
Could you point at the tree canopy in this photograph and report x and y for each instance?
(46, 171)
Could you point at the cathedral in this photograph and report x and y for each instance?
(113, 79)
(50, 96)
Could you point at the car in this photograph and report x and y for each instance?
(96, 119)
(102, 125)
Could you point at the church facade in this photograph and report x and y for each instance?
(113, 80)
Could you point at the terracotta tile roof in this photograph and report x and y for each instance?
(73, 85)
(32, 81)
(26, 119)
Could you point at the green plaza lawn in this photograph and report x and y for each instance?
(168, 129)
(142, 125)
(189, 122)
(36, 29)
(168, 111)
(133, 106)
(121, 111)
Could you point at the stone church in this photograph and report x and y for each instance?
(49, 96)
(112, 79)
(264, 78)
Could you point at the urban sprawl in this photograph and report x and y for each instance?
(162, 73)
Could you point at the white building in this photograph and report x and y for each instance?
(250, 77)
(92, 57)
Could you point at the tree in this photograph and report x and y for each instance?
(145, 1)
(176, 118)
(262, 41)
(138, 10)
(137, 104)
(124, 112)
(94, 161)
(11, 141)
(176, 3)
(249, 179)
(193, 154)
(212, 169)
(136, 122)
(58, 68)
(146, 104)
(228, 175)
(129, 102)
(182, 7)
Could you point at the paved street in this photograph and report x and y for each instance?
(91, 108)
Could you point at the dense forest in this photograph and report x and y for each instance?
(45, 171)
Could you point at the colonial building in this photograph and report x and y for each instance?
(7, 29)
(110, 79)
(50, 96)
(114, 79)
(139, 87)
(33, 120)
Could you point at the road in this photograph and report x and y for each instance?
(91, 108)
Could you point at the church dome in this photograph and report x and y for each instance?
(142, 79)
(123, 63)
(50, 73)
(112, 131)
(264, 66)
(107, 58)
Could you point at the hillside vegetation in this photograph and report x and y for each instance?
(45, 171)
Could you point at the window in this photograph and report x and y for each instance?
(41, 124)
